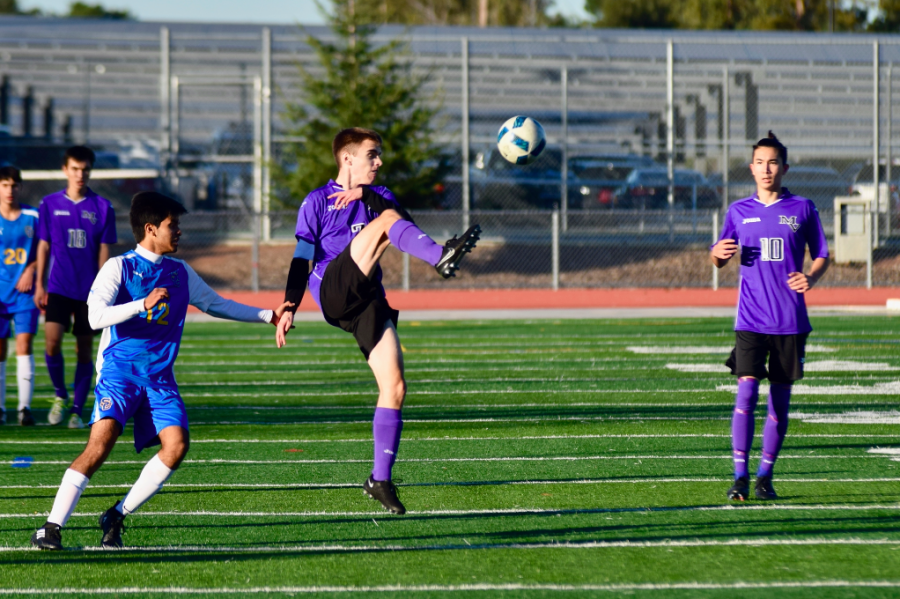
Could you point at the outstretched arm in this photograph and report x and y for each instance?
(295, 288)
(203, 297)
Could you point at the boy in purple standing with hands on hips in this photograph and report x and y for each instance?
(76, 228)
(771, 229)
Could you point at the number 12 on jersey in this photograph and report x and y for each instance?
(162, 311)
(771, 249)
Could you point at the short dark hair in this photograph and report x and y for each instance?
(81, 154)
(772, 142)
(10, 173)
(152, 207)
(350, 139)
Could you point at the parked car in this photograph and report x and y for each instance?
(647, 188)
(862, 183)
(501, 185)
(596, 177)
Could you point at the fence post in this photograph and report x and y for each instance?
(871, 224)
(164, 86)
(466, 198)
(405, 271)
(888, 175)
(554, 248)
(715, 238)
(876, 126)
(254, 255)
(726, 108)
(564, 149)
(670, 133)
(266, 131)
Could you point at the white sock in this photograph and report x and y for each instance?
(25, 379)
(3, 386)
(152, 478)
(70, 490)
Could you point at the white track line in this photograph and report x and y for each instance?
(822, 366)
(354, 485)
(497, 459)
(861, 417)
(752, 542)
(890, 388)
(705, 349)
(459, 588)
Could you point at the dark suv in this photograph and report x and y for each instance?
(648, 189)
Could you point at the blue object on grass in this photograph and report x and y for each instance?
(22, 462)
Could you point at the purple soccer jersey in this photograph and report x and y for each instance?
(773, 240)
(331, 230)
(75, 231)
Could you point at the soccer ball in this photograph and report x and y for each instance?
(521, 140)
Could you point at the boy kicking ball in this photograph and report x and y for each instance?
(140, 300)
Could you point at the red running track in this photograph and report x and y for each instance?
(511, 299)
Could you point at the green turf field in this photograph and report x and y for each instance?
(539, 458)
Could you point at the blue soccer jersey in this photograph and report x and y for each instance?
(75, 231)
(331, 230)
(773, 239)
(139, 345)
(18, 243)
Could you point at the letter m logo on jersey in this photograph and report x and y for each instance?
(790, 221)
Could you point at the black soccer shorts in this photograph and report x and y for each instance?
(354, 302)
(786, 355)
(61, 309)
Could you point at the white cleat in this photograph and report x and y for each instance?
(55, 416)
(75, 421)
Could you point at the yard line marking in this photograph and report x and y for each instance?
(890, 388)
(886, 450)
(128, 443)
(706, 349)
(891, 417)
(431, 588)
(496, 459)
(354, 485)
(495, 512)
(822, 366)
(453, 546)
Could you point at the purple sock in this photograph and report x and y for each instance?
(83, 375)
(776, 427)
(56, 366)
(410, 239)
(386, 427)
(742, 424)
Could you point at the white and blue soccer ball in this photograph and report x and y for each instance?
(521, 140)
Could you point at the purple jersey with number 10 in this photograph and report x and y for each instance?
(773, 240)
(75, 231)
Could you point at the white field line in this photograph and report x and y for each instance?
(125, 442)
(754, 542)
(497, 459)
(890, 388)
(456, 588)
(355, 485)
(861, 417)
(823, 366)
(706, 349)
(886, 450)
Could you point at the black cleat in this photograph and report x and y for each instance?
(764, 489)
(740, 490)
(25, 417)
(113, 525)
(48, 537)
(455, 249)
(386, 492)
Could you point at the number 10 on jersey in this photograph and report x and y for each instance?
(771, 249)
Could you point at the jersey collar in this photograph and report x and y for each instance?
(785, 192)
(87, 194)
(147, 254)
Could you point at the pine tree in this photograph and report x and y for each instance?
(361, 84)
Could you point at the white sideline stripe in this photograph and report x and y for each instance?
(890, 388)
(467, 546)
(431, 588)
(705, 349)
(355, 485)
(886, 450)
(466, 420)
(527, 437)
(891, 417)
(500, 459)
(823, 366)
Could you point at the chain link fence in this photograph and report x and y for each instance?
(649, 137)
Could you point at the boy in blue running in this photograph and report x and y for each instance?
(76, 228)
(140, 300)
(771, 229)
(18, 240)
